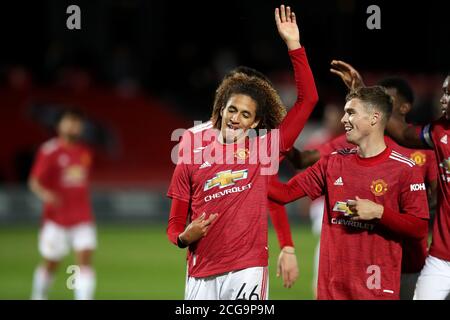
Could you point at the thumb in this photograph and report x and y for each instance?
(278, 268)
(357, 198)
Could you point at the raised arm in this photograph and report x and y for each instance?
(349, 75)
(307, 96)
(402, 133)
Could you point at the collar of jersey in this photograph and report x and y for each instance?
(372, 161)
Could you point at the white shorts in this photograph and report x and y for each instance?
(246, 284)
(434, 280)
(55, 241)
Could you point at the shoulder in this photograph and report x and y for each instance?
(49, 147)
(202, 127)
(401, 160)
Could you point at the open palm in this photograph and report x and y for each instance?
(287, 24)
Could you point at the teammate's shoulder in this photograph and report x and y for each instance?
(401, 159)
(50, 146)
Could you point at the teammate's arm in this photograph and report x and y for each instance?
(404, 134)
(287, 265)
(302, 159)
(284, 193)
(349, 75)
(307, 96)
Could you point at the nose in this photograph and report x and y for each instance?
(344, 119)
(444, 100)
(235, 117)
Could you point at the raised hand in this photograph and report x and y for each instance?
(197, 229)
(348, 74)
(287, 27)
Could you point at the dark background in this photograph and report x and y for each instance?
(170, 56)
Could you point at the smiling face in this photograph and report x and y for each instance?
(357, 121)
(445, 99)
(238, 116)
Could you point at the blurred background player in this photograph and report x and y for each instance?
(414, 252)
(434, 279)
(228, 258)
(368, 211)
(59, 178)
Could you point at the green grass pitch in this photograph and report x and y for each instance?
(134, 262)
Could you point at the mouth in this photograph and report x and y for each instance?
(348, 129)
(232, 126)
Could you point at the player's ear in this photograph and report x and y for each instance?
(405, 108)
(376, 116)
(221, 111)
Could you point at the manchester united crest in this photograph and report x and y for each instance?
(242, 154)
(419, 158)
(379, 187)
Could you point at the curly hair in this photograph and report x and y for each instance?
(269, 107)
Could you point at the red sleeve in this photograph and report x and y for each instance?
(412, 220)
(285, 192)
(280, 222)
(313, 179)
(180, 186)
(307, 97)
(41, 165)
(405, 225)
(177, 220)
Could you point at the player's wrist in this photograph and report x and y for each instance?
(288, 250)
(181, 241)
(293, 44)
(380, 211)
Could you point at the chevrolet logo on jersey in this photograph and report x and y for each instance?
(225, 178)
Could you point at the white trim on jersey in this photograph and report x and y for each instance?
(201, 127)
(426, 131)
(398, 157)
(50, 146)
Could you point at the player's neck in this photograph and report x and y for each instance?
(371, 146)
(67, 142)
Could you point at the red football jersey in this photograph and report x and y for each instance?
(414, 251)
(64, 169)
(235, 187)
(435, 135)
(360, 259)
